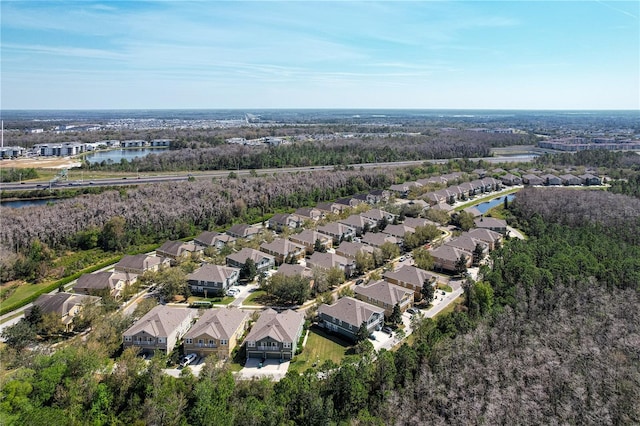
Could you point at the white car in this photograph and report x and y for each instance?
(233, 292)
(188, 359)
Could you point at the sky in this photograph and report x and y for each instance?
(516, 54)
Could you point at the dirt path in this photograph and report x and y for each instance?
(41, 163)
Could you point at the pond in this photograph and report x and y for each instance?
(488, 205)
(115, 155)
(17, 204)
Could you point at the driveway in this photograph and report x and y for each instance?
(245, 291)
(195, 368)
(271, 368)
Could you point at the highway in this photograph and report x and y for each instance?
(136, 179)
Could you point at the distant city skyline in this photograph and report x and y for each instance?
(528, 55)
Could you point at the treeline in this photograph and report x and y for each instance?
(592, 158)
(337, 151)
(15, 175)
(154, 213)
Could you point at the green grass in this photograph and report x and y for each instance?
(320, 347)
(254, 298)
(451, 307)
(214, 300)
(445, 287)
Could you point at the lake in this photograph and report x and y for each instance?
(488, 205)
(115, 155)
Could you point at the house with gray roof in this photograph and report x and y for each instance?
(415, 222)
(385, 295)
(510, 179)
(337, 231)
(308, 238)
(468, 243)
(159, 329)
(491, 223)
(531, 179)
(140, 263)
(65, 306)
(411, 278)
(446, 257)
(332, 260)
(377, 196)
(569, 179)
(347, 315)
(216, 332)
(243, 230)
(376, 239)
(283, 250)
(275, 335)
(309, 213)
(263, 261)
(177, 250)
(357, 222)
(212, 280)
(374, 216)
(104, 283)
(589, 179)
(489, 237)
(292, 269)
(349, 249)
(398, 231)
(281, 221)
(551, 180)
(213, 239)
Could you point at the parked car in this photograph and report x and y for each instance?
(387, 330)
(372, 336)
(188, 359)
(412, 311)
(360, 281)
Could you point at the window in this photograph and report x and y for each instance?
(222, 341)
(287, 345)
(211, 342)
(161, 340)
(274, 344)
(200, 341)
(251, 344)
(127, 338)
(188, 341)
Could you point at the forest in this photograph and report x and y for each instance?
(548, 335)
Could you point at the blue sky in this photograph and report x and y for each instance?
(345, 54)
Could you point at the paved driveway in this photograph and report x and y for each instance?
(271, 368)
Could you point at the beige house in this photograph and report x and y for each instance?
(177, 250)
(308, 238)
(283, 250)
(446, 257)
(159, 329)
(65, 306)
(104, 283)
(411, 277)
(385, 295)
(491, 238)
(275, 335)
(140, 263)
(347, 315)
(216, 332)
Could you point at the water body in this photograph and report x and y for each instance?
(18, 204)
(116, 155)
(486, 206)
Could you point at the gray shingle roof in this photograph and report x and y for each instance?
(160, 321)
(212, 273)
(411, 275)
(351, 311)
(281, 327)
(219, 323)
(383, 292)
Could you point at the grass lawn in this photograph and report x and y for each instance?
(254, 298)
(320, 347)
(445, 287)
(214, 300)
(451, 307)
(23, 291)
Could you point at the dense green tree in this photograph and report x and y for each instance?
(427, 291)
(19, 335)
(248, 270)
(422, 259)
(396, 315)
(113, 236)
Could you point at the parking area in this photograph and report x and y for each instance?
(195, 368)
(271, 368)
